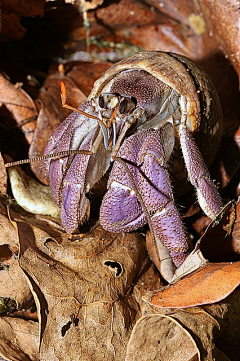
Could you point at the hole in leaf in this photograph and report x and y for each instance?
(115, 267)
(66, 328)
(5, 254)
(48, 240)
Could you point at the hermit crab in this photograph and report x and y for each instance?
(157, 117)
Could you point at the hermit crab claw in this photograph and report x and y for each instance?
(94, 136)
(140, 192)
(72, 176)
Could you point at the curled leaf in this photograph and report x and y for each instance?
(19, 339)
(211, 283)
(160, 337)
(30, 194)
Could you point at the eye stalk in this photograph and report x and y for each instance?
(111, 101)
(126, 106)
(108, 101)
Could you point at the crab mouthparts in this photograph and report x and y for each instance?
(115, 127)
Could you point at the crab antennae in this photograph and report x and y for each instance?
(65, 105)
(72, 151)
(62, 154)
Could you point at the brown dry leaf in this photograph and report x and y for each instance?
(20, 106)
(24, 8)
(3, 176)
(149, 281)
(12, 11)
(83, 291)
(211, 283)
(19, 339)
(200, 322)
(224, 23)
(11, 27)
(204, 325)
(209, 326)
(128, 13)
(160, 337)
(84, 74)
(31, 195)
(92, 4)
(166, 26)
(12, 279)
(227, 313)
(51, 114)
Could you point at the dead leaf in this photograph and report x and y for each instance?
(155, 337)
(12, 10)
(3, 176)
(24, 8)
(19, 339)
(211, 283)
(20, 106)
(12, 279)
(223, 20)
(32, 195)
(149, 281)
(85, 306)
(127, 13)
(227, 313)
(84, 74)
(203, 323)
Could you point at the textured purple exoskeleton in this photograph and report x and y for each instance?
(162, 100)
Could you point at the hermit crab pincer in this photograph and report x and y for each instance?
(150, 113)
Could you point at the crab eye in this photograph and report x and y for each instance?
(126, 106)
(108, 101)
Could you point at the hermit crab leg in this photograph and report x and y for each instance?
(208, 197)
(139, 192)
(166, 264)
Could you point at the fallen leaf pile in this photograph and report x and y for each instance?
(97, 295)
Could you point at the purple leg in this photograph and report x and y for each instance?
(208, 196)
(145, 195)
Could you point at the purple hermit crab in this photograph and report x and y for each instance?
(150, 114)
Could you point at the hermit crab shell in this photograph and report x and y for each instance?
(204, 113)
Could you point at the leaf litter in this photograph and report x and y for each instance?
(90, 290)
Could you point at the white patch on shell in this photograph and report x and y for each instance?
(115, 184)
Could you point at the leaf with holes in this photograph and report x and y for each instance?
(14, 288)
(83, 286)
